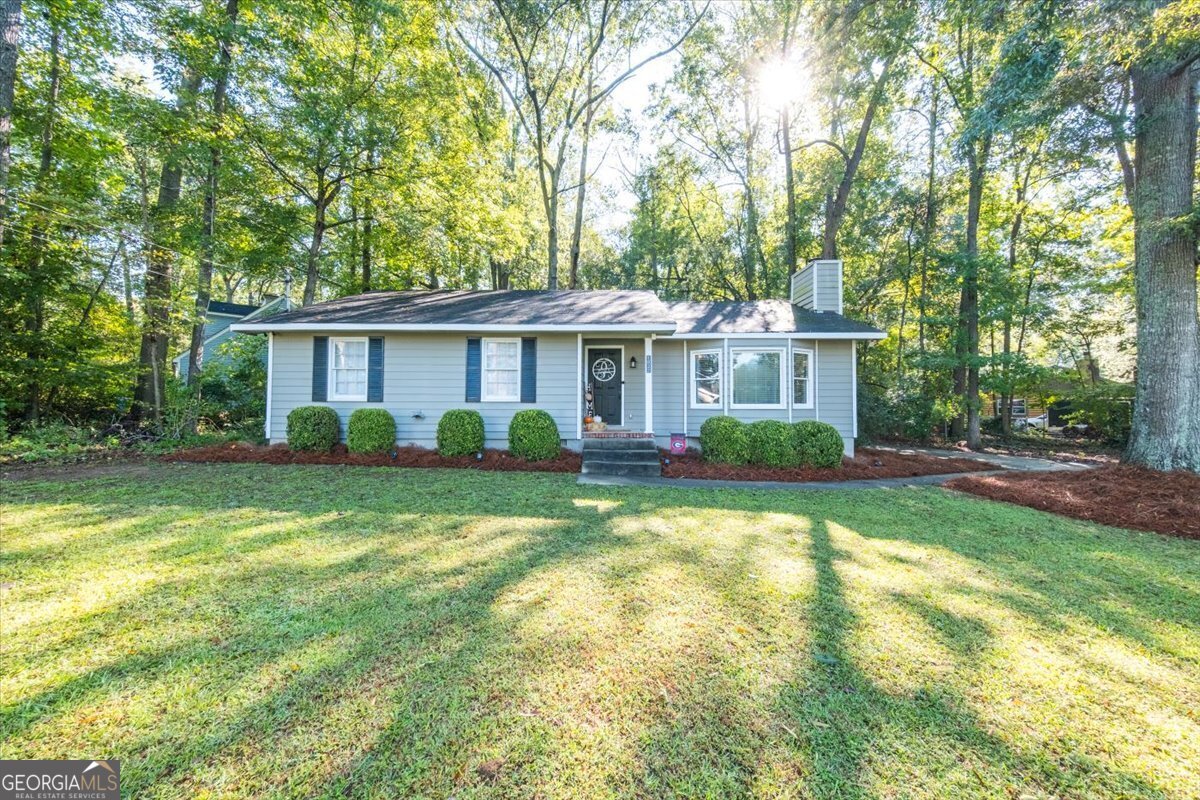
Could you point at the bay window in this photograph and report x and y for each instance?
(706, 378)
(758, 378)
(802, 384)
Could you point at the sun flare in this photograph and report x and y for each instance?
(782, 83)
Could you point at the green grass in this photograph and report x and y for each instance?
(252, 631)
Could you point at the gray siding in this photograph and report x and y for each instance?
(426, 374)
(827, 282)
(833, 387)
(209, 355)
(818, 286)
(802, 288)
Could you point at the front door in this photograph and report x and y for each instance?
(604, 376)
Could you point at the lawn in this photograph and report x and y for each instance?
(252, 631)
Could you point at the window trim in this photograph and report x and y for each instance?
(812, 378)
(784, 375)
(331, 391)
(483, 369)
(719, 353)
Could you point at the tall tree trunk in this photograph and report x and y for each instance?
(969, 303)
(368, 231)
(127, 284)
(1014, 235)
(366, 248)
(835, 208)
(1166, 410)
(792, 223)
(10, 36)
(577, 230)
(37, 301)
(209, 222)
(324, 196)
(150, 391)
(929, 224)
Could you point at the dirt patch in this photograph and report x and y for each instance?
(111, 462)
(867, 464)
(493, 460)
(1125, 497)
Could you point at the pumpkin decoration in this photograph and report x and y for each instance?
(587, 420)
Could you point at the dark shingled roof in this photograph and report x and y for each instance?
(487, 308)
(230, 309)
(759, 316)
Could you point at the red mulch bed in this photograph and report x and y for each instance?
(1125, 497)
(866, 465)
(493, 460)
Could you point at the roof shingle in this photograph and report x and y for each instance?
(759, 316)
(511, 307)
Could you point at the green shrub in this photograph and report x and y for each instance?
(771, 443)
(818, 444)
(723, 439)
(460, 432)
(312, 428)
(370, 430)
(533, 435)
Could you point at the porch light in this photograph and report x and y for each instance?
(633, 362)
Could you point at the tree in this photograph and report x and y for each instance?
(209, 221)
(10, 34)
(1166, 415)
(549, 62)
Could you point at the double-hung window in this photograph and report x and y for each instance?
(758, 378)
(502, 370)
(348, 369)
(706, 378)
(802, 382)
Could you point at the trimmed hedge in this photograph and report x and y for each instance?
(532, 435)
(723, 439)
(460, 432)
(772, 443)
(818, 444)
(370, 430)
(312, 428)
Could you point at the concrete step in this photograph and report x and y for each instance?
(624, 456)
(640, 469)
(619, 444)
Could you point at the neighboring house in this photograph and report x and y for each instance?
(652, 367)
(217, 331)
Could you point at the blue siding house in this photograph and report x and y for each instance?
(647, 367)
(217, 328)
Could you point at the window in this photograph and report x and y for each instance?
(802, 383)
(706, 378)
(348, 369)
(758, 379)
(502, 370)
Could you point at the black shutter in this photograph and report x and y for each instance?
(375, 369)
(529, 370)
(320, 381)
(474, 370)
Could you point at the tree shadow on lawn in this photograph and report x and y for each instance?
(856, 725)
(567, 639)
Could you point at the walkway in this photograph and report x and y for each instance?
(1002, 462)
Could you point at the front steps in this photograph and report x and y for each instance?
(621, 456)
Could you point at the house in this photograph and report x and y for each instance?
(649, 367)
(217, 330)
